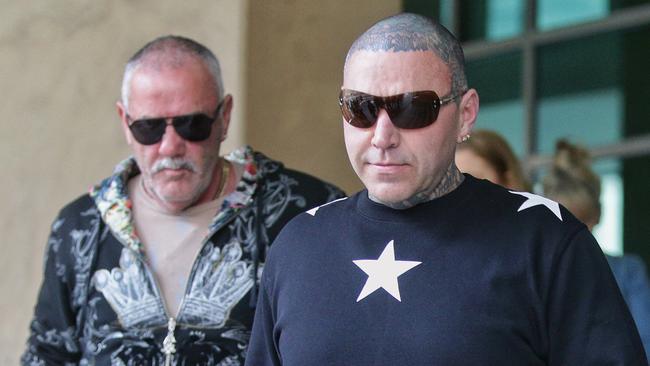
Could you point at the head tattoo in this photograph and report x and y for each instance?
(410, 32)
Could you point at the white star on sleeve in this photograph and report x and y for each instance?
(313, 210)
(383, 272)
(535, 200)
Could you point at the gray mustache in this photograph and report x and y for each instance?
(174, 163)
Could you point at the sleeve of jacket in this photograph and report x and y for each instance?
(53, 338)
(262, 349)
(636, 291)
(588, 320)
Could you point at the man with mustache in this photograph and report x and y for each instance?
(428, 266)
(159, 263)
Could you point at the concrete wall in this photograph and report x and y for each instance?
(296, 51)
(60, 74)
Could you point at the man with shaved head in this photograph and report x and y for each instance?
(159, 264)
(427, 266)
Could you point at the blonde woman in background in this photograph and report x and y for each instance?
(572, 183)
(487, 155)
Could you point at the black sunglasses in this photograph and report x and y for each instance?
(409, 110)
(191, 127)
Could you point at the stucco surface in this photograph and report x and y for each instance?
(61, 65)
(295, 61)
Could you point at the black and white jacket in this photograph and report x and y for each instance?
(99, 303)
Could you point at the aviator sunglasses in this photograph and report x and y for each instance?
(408, 111)
(192, 127)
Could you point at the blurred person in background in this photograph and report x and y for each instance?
(487, 155)
(573, 183)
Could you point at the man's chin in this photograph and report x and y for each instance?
(388, 194)
(176, 193)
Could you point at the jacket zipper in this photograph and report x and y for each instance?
(169, 344)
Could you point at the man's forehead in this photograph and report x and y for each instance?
(186, 78)
(171, 91)
(389, 73)
(190, 70)
(169, 61)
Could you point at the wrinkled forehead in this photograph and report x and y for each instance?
(385, 73)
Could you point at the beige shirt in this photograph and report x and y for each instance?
(171, 241)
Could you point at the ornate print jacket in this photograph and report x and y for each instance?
(99, 303)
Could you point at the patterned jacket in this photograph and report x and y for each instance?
(99, 303)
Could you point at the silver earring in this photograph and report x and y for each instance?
(464, 138)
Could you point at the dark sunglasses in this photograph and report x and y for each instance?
(191, 127)
(409, 110)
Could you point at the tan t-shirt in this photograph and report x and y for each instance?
(171, 241)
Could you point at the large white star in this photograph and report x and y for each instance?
(383, 272)
(535, 200)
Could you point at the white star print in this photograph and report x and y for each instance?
(535, 200)
(383, 272)
(313, 210)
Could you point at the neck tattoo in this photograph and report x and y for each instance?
(450, 181)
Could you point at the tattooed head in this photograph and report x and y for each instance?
(410, 32)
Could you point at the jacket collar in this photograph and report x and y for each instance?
(114, 205)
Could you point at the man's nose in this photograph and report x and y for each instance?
(386, 135)
(172, 144)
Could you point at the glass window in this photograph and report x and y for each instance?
(635, 175)
(553, 14)
(428, 8)
(491, 19)
(609, 231)
(558, 13)
(505, 18)
(590, 118)
(592, 90)
(589, 89)
(447, 13)
(498, 82)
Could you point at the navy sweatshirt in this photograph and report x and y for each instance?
(480, 276)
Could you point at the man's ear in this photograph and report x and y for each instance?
(226, 113)
(468, 112)
(121, 111)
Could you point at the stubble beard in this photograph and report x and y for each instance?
(449, 181)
